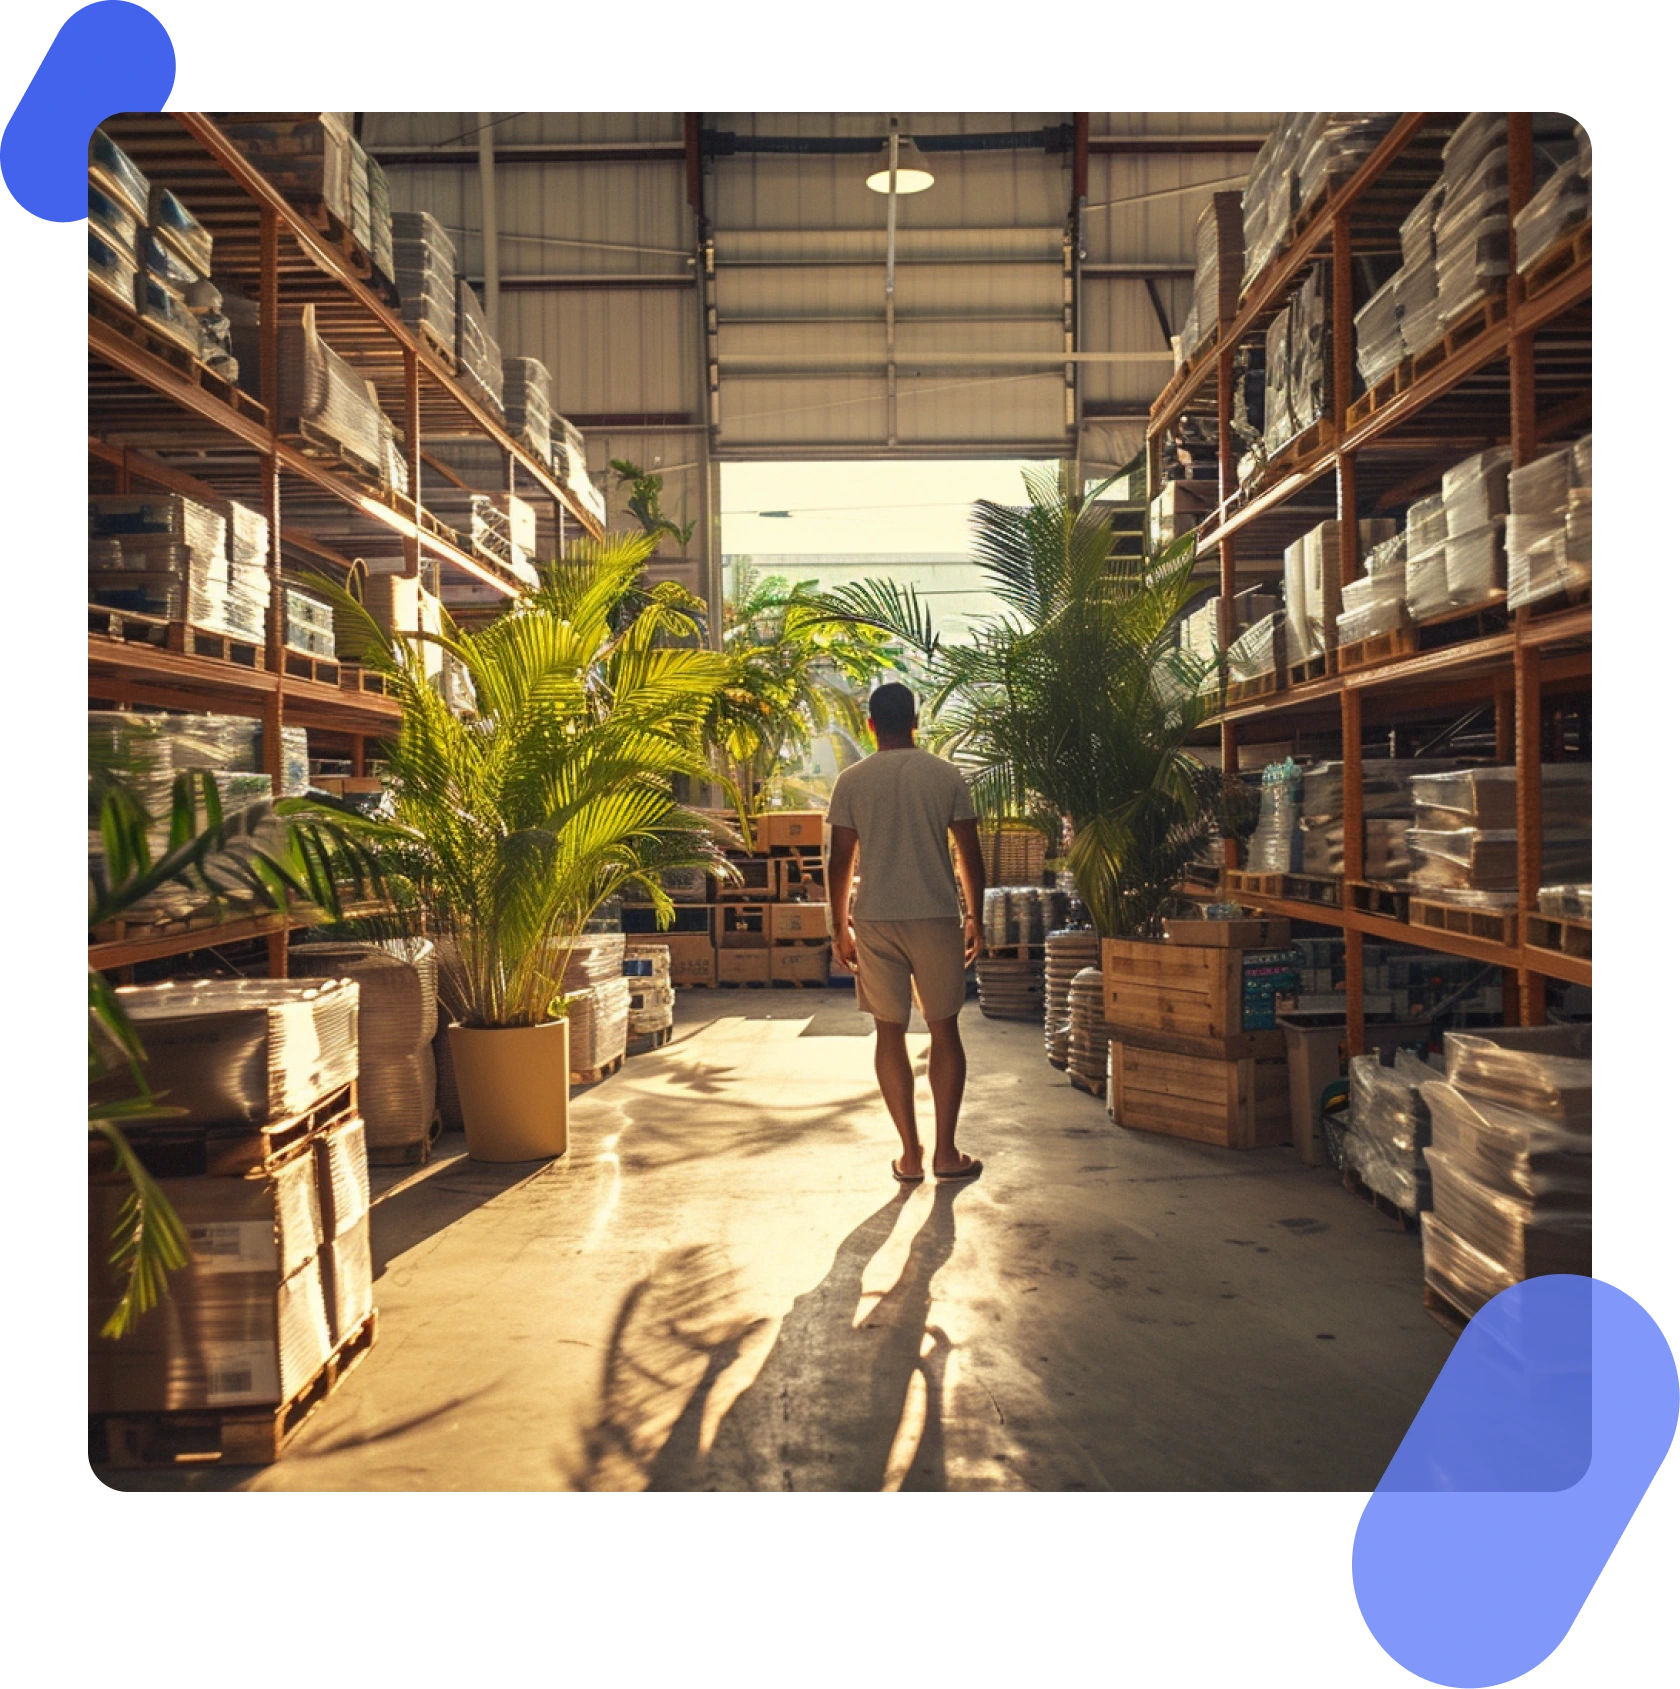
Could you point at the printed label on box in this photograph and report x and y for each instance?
(233, 1246)
(240, 1372)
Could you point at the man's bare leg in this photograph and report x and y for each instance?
(947, 1074)
(898, 1090)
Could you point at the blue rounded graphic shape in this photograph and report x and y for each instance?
(108, 57)
(1515, 1482)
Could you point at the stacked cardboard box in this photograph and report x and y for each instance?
(1388, 1127)
(308, 156)
(598, 1000)
(319, 390)
(1312, 586)
(1548, 534)
(424, 256)
(527, 393)
(1463, 837)
(478, 358)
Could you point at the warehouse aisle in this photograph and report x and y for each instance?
(722, 1288)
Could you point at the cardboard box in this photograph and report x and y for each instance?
(1242, 1104)
(1179, 507)
(347, 1280)
(341, 1167)
(791, 828)
(743, 967)
(742, 926)
(798, 920)
(806, 964)
(693, 959)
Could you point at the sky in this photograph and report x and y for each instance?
(859, 507)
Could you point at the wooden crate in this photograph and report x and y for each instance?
(756, 885)
(789, 829)
(1259, 933)
(802, 875)
(742, 926)
(1242, 1104)
(1186, 990)
(693, 958)
(798, 920)
(743, 967)
(1568, 935)
(796, 964)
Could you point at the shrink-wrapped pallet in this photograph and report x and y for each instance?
(600, 1024)
(319, 388)
(115, 174)
(1388, 1127)
(527, 396)
(478, 357)
(399, 1020)
(306, 155)
(424, 257)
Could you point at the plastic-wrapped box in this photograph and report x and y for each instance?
(1417, 306)
(319, 388)
(1582, 454)
(173, 224)
(1546, 1163)
(1254, 653)
(360, 219)
(1526, 1241)
(1427, 592)
(1333, 146)
(1465, 1276)
(307, 157)
(1280, 426)
(479, 357)
(1475, 564)
(1475, 491)
(309, 623)
(1542, 487)
(1377, 339)
(113, 172)
(245, 1051)
(1573, 901)
(163, 265)
(527, 397)
(397, 1088)
(1560, 204)
(1388, 1126)
(111, 270)
(600, 1024)
(1541, 1070)
(1426, 524)
(1486, 796)
(162, 308)
(1274, 847)
(1387, 855)
(112, 221)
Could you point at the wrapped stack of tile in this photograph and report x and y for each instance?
(1426, 557)
(1562, 202)
(425, 274)
(1472, 228)
(1549, 533)
(1312, 592)
(1088, 1032)
(1375, 602)
(502, 526)
(397, 1089)
(1510, 1159)
(571, 464)
(1066, 954)
(249, 1321)
(1464, 841)
(361, 198)
(320, 389)
(1253, 653)
(308, 156)
(1269, 199)
(1388, 1128)
(1378, 343)
(249, 589)
(1218, 275)
(526, 395)
(309, 623)
(600, 1010)
(1415, 295)
(1388, 810)
(159, 554)
(381, 247)
(478, 358)
(1333, 145)
(119, 206)
(1274, 847)
(647, 968)
(1455, 543)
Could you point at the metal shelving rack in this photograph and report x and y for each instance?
(1523, 379)
(152, 422)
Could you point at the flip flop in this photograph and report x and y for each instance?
(906, 1178)
(971, 1171)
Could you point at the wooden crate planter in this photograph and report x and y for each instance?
(1241, 1104)
(1180, 989)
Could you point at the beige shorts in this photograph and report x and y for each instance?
(894, 955)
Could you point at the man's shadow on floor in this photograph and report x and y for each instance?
(824, 1411)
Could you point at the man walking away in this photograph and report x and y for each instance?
(889, 817)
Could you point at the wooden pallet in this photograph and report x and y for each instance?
(1244, 691)
(1093, 1087)
(128, 627)
(1351, 1181)
(172, 352)
(1313, 888)
(300, 665)
(429, 339)
(1570, 252)
(1374, 899)
(1017, 952)
(645, 1043)
(1461, 623)
(594, 1075)
(318, 444)
(334, 233)
(247, 1436)
(1468, 326)
(1491, 926)
(1314, 668)
(354, 678)
(1254, 885)
(1444, 1311)
(1303, 446)
(1379, 648)
(171, 1149)
(416, 1154)
(1380, 392)
(1566, 935)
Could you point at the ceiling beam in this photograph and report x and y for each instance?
(1176, 143)
(543, 152)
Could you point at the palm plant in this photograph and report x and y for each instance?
(1077, 698)
(796, 675)
(294, 855)
(512, 826)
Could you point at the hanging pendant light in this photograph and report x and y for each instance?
(913, 173)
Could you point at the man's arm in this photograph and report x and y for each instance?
(971, 870)
(842, 865)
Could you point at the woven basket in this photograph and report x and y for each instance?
(1013, 854)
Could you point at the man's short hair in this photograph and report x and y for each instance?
(893, 707)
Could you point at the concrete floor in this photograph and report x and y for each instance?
(721, 1287)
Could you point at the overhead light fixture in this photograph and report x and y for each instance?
(913, 173)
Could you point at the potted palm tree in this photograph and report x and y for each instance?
(1076, 699)
(512, 825)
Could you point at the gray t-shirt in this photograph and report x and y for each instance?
(901, 805)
